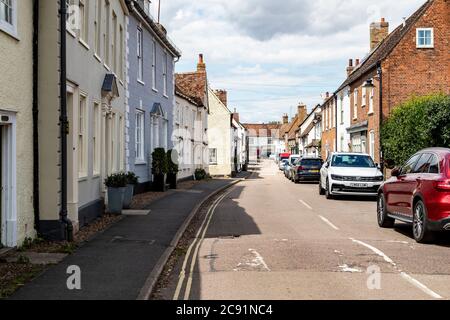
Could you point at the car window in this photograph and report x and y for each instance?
(356, 161)
(311, 162)
(434, 165)
(409, 166)
(293, 160)
(423, 165)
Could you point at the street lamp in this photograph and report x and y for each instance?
(369, 84)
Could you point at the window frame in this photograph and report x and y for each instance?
(424, 46)
(140, 53)
(154, 61)
(139, 147)
(7, 27)
(215, 156)
(96, 137)
(82, 134)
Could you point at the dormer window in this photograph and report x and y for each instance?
(147, 7)
(425, 38)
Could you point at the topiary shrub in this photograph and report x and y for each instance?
(116, 180)
(200, 174)
(159, 162)
(419, 123)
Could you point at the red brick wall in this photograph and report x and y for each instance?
(328, 134)
(410, 71)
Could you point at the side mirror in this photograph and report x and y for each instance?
(327, 165)
(395, 172)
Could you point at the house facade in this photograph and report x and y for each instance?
(343, 120)
(16, 123)
(150, 100)
(293, 132)
(310, 134)
(219, 136)
(96, 91)
(412, 60)
(190, 136)
(328, 126)
(239, 144)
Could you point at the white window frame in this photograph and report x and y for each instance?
(165, 68)
(364, 96)
(154, 51)
(424, 46)
(83, 10)
(11, 28)
(140, 53)
(139, 136)
(371, 100)
(342, 110)
(98, 28)
(215, 162)
(355, 104)
(82, 135)
(372, 144)
(96, 137)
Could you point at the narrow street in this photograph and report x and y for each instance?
(269, 238)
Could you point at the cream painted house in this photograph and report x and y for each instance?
(96, 35)
(16, 122)
(219, 135)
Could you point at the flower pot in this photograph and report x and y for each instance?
(128, 197)
(159, 182)
(172, 180)
(115, 200)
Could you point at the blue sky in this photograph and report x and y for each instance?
(272, 55)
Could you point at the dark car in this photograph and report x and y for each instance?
(306, 169)
(418, 193)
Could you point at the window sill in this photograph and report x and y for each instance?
(155, 90)
(82, 178)
(98, 58)
(425, 47)
(10, 32)
(96, 175)
(84, 44)
(141, 82)
(140, 163)
(71, 32)
(166, 96)
(106, 67)
(370, 113)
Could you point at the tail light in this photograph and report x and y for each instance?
(442, 185)
(300, 168)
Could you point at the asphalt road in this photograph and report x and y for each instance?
(269, 238)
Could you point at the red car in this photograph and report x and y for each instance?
(418, 193)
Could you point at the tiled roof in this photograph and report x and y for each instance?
(385, 47)
(262, 130)
(192, 85)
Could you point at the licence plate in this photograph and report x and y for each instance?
(359, 185)
(314, 171)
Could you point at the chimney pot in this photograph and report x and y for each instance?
(357, 63)
(201, 66)
(350, 67)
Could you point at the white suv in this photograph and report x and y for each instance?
(350, 174)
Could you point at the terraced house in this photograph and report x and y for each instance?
(95, 93)
(150, 98)
(16, 122)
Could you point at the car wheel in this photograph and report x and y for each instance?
(328, 194)
(321, 190)
(420, 224)
(383, 220)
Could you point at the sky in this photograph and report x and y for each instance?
(272, 55)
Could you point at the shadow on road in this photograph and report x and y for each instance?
(442, 239)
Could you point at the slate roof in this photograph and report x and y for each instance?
(192, 85)
(386, 46)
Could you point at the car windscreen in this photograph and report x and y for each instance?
(352, 161)
(311, 162)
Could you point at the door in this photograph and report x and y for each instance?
(363, 143)
(400, 190)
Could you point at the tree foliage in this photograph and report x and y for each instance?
(419, 123)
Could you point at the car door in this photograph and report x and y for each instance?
(324, 171)
(399, 188)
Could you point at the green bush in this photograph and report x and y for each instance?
(132, 178)
(159, 161)
(200, 174)
(116, 180)
(419, 123)
(172, 162)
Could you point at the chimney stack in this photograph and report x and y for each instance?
(350, 67)
(378, 32)
(236, 115)
(357, 63)
(302, 112)
(223, 96)
(201, 66)
(285, 119)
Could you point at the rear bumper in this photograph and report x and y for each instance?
(307, 177)
(439, 225)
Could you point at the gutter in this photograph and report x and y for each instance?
(63, 122)
(380, 74)
(36, 203)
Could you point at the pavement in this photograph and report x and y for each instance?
(272, 239)
(116, 264)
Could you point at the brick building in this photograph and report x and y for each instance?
(328, 126)
(412, 60)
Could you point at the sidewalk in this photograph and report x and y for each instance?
(116, 264)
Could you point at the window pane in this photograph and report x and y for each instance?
(410, 165)
(434, 165)
(423, 164)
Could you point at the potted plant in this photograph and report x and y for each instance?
(116, 184)
(132, 181)
(159, 169)
(200, 174)
(172, 168)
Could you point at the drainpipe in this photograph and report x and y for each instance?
(63, 122)
(380, 74)
(36, 203)
(336, 122)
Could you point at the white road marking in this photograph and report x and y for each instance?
(404, 275)
(259, 260)
(328, 222)
(305, 204)
(346, 268)
(255, 263)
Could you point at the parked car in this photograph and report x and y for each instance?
(306, 169)
(291, 162)
(283, 156)
(282, 164)
(350, 174)
(418, 193)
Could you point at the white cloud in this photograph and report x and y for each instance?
(265, 52)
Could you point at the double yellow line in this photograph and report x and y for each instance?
(194, 247)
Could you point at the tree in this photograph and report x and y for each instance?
(419, 123)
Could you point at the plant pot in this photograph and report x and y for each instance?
(159, 182)
(128, 197)
(115, 200)
(172, 180)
